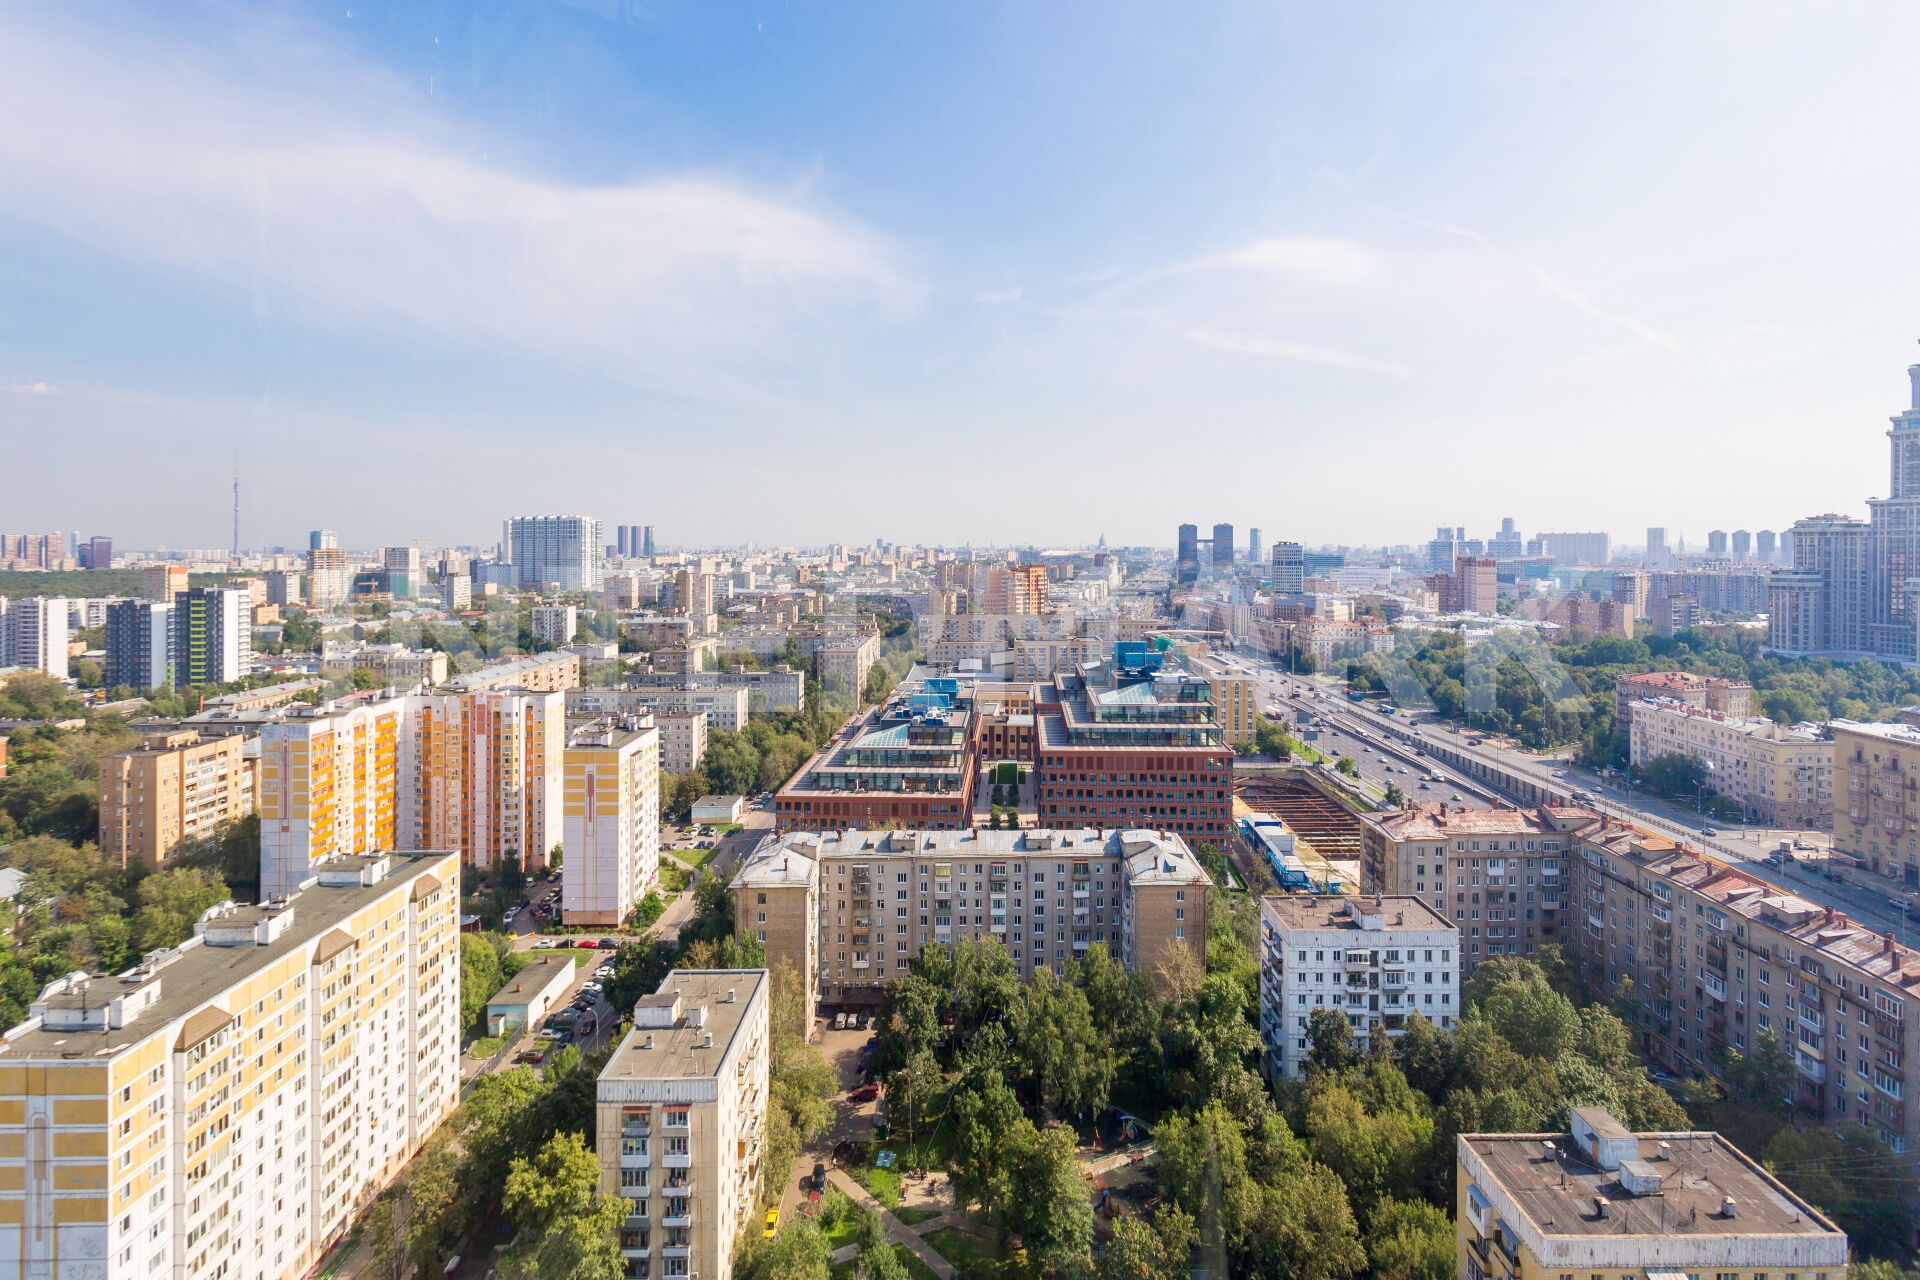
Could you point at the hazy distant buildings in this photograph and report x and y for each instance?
(1253, 547)
(1573, 548)
(1764, 547)
(1507, 544)
(1854, 589)
(1187, 553)
(328, 580)
(1717, 543)
(562, 551)
(1222, 546)
(1442, 550)
(1742, 544)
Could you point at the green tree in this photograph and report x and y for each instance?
(1067, 1053)
(1410, 1240)
(385, 1231)
(990, 1136)
(1846, 1174)
(479, 978)
(1674, 776)
(1051, 1208)
(1330, 1036)
(566, 1227)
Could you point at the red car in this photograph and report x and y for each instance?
(865, 1093)
(586, 944)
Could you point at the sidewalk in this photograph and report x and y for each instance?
(897, 1231)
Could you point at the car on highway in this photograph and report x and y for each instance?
(1708, 831)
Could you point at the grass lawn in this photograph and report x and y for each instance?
(911, 1216)
(484, 1049)
(971, 1255)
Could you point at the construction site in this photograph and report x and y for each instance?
(1323, 821)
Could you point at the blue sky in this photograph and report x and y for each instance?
(1000, 273)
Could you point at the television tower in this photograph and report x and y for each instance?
(236, 505)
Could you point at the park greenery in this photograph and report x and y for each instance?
(1559, 692)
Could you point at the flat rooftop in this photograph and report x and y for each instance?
(1335, 911)
(683, 1049)
(198, 973)
(1551, 1180)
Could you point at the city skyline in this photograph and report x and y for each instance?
(1301, 238)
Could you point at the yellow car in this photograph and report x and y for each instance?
(773, 1223)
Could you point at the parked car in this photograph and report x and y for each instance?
(534, 1055)
(1708, 831)
(865, 1019)
(587, 1026)
(819, 1176)
(608, 944)
(865, 1093)
(773, 1222)
(839, 1022)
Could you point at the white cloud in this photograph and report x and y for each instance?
(1331, 260)
(1240, 345)
(688, 282)
(34, 389)
(993, 299)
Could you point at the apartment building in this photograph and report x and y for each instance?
(562, 551)
(683, 739)
(536, 672)
(681, 1122)
(283, 587)
(898, 766)
(1233, 693)
(329, 577)
(222, 1109)
(1042, 658)
(33, 634)
(481, 774)
(390, 664)
(844, 663)
(329, 786)
(1496, 873)
(693, 596)
(610, 821)
(174, 789)
(1017, 589)
(160, 583)
(1600, 1200)
(212, 636)
(1779, 776)
(1714, 693)
(1378, 961)
(1124, 744)
(724, 707)
(850, 908)
(554, 623)
(1876, 787)
(1717, 956)
(1668, 614)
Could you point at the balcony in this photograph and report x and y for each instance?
(675, 1250)
(676, 1159)
(1717, 988)
(1812, 1068)
(682, 1219)
(635, 1159)
(1812, 1022)
(1357, 961)
(1394, 966)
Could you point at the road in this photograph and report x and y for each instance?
(1378, 742)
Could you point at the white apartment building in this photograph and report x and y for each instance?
(555, 623)
(681, 1122)
(220, 1111)
(1378, 961)
(1779, 776)
(33, 634)
(610, 821)
(726, 706)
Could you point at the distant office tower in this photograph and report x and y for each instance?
(611, 821)
(328, 581)
(139, 645)
(560, 550)
(161, 582)
(97, 553)
(283, 587)
(212, 636)
(33, 551)
(554, 623)
(1254, 557)
(1222, 545)
(1656, 548)
(1441, 551)
(1187, 553)
(402, 567)
(646, 540)
(1742, 544)
(1765, 546)
(1289, 569)
(1507, 544)
(328, 786)
(1717, 542)
(33, 634)
(622, 540)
